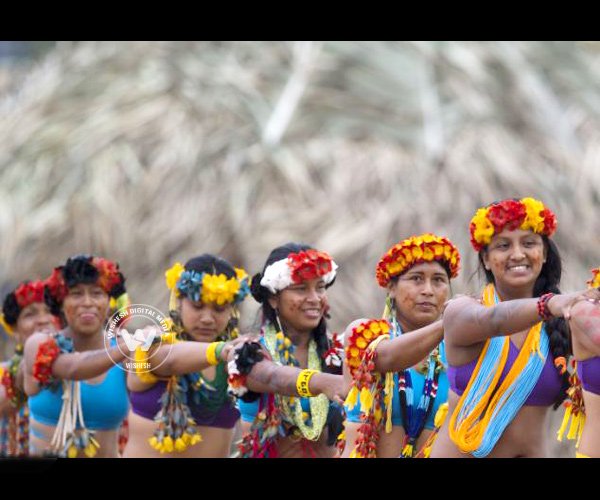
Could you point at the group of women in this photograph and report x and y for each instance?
(433, 377)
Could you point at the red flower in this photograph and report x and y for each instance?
(549, 222)
(108, 273)
(56, 285)
(28, 293)
(308, 265)
(47, 353)
(509, 213)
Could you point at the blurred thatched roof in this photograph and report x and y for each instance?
(149, 153)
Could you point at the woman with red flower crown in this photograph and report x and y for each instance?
(507, 353)
(397, 364)
(293, 292)
(77, 394)
(24, 312)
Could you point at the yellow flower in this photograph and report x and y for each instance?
(428, 253)
(173, 274)
(374, 327)
(90, 451)
(180, 445)
(154, 442)
(354, 352)
(361, 343)
(533, 220)
(219, 289)
(72, 452)
(168, 444)
(484, 229)
(240, 273)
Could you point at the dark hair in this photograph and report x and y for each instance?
(211, 264)
(11, 309)
(261, 295)
(547, 282)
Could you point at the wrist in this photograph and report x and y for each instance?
(303, 381)
(544, 308)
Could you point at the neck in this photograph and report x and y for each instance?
(299, 338)
(85, 342)
(512, 293)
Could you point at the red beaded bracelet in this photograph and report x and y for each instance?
(542, 306)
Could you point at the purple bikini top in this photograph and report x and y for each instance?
(588, 372)
(147, 404)
(544, 393)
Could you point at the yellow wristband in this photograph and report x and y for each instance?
(211, 351)
(302, 383)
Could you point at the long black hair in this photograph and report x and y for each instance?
(556, 328)
(262, 294)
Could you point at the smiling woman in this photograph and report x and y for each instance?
(77, 394)
(507, 353)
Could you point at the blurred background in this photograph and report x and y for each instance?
(153, 152)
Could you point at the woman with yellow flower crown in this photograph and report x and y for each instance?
(180, 406)
(507, 353)
(77, 394)
(397, 368)
(582, 409)
(292, 290)
(24, 311)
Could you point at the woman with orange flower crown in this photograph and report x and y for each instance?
(24, 312)
(180, 405)
(77, 396)
(396, 365)
(583, 404)
(292, 289)
(507, 353)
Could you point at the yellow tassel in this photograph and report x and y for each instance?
(563, 425)
(123, 301)
(5, 325)
(387, 399)
(407, 451)
(173, 300)
(352, 398)
(366, 400)
(427, 452)
(440, 415)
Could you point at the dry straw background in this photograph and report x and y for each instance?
(152, 152)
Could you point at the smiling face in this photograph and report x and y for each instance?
(204, 322)
(86, 307)
(35, 317)
(515, 258)
(301, 306)
(420, 294)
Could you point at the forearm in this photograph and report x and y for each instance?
(509, 317)
(179, 358)
(267, 376)
(85, 365)
(408, 349)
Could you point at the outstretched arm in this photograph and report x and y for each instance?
(407, 350)
(69, 366)
(468, 322)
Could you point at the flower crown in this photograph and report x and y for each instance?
(595, 281)
(414, 250)
(27, 293)
(298, 267)
(526, 213)
(82, 270)
(215, 288)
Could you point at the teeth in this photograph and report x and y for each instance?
(519, 268)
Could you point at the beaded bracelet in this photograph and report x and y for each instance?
(542, 306)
